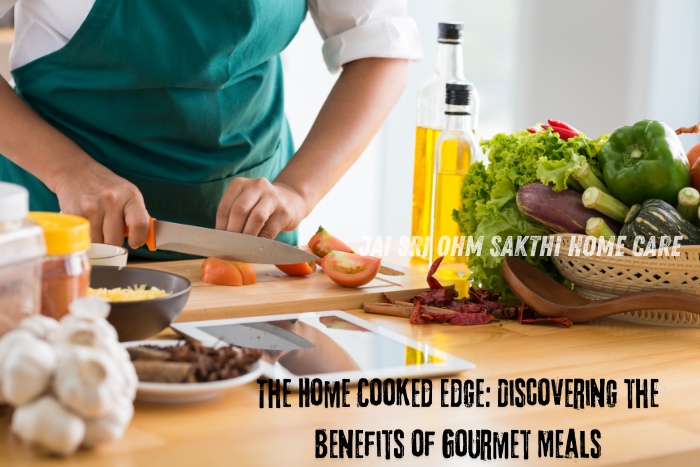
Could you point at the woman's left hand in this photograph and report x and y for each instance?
(255, 206)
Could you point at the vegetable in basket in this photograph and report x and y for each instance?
(644, 161)
(558, 211)
(657, 218)
(489, 206)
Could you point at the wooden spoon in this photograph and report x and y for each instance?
(550, 298)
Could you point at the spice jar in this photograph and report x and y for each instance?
(21, 250)
(66, 268)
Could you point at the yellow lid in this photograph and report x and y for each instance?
(64, 233)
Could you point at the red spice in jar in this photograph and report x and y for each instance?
(64, 279)
(66, 268)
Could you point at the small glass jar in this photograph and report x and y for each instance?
(21, 250)
(66, 268)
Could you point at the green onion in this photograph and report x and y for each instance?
(587, 178)
(688, 203)
(594, 198)
(597, 227)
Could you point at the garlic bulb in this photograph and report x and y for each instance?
(9, 341)
(89, 308)
(87, 380)
(26, 371)
(91, 376)
(75, 330)
(46, 424)
(111, 426)
(39, 325)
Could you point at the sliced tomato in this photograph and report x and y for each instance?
(323, 242)
(217, 271)
(299, 269)
(349, 269)
(247, 272)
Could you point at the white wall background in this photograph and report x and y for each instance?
(597, 64)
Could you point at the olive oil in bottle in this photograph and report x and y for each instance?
(430, 119)
(456, 150)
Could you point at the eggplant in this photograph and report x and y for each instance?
(558, 211)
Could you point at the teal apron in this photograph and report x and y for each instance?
(176, 96)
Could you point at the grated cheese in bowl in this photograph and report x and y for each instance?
(127, 294)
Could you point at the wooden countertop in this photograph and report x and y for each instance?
(232, 430)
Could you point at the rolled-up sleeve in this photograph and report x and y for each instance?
(5, 6)
(365, 28)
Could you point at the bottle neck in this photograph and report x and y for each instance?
(450, 62)
(457, 118)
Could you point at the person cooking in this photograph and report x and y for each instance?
(125, 109)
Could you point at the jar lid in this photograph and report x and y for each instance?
(14, 202)
(64, 233)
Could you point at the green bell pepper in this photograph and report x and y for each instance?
(644, 161)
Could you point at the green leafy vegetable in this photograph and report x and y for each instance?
(488, 194)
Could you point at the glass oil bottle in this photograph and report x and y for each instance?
(430, 119)
(455, 150)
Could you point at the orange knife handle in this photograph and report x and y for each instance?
(151, 238)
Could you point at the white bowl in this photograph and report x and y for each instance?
(107, 255)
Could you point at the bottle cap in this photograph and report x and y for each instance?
(458, 94)
(64, 233)
(450, 32)
(14, 202)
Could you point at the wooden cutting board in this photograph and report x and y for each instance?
(277, 293)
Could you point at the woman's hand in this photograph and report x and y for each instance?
(254, 206)
(108, 201)
(82, 185)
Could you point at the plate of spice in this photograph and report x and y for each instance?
(178, 371)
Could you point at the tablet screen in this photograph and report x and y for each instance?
(325, 343)
(320, 344)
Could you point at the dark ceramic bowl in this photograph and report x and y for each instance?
(144, 318)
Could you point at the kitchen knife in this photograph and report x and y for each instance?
(200, 241)
(265, 336)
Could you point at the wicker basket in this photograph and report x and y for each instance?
(603, 276)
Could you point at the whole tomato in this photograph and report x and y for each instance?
(694, 161)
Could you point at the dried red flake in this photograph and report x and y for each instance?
(480, 307)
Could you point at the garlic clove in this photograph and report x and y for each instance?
(26, 371)
(111, 426)
(89, 308)
(39, 325)
(45, 424)
(87, 380)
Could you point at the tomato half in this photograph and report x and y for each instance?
(217, 271)
(695, 174)
(322, 242)
(349, 269)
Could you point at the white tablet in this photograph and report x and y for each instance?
(329, 345)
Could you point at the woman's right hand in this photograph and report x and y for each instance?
(82, 185)
(107, 200)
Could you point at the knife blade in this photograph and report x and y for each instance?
(265, 336)
(200, 241)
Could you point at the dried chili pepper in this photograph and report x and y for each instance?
(479, 307)
(527, 315)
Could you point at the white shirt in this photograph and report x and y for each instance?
(351, 29)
